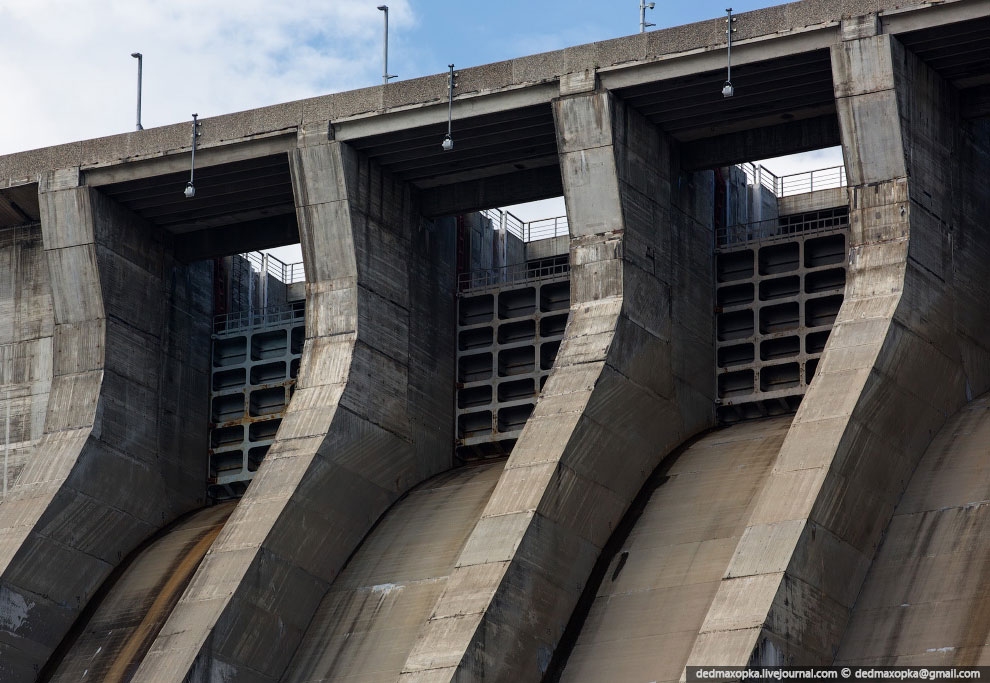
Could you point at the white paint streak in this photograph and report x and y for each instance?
(14, 609)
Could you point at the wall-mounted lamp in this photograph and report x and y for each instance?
(727, 89)
(448, 140)
(643, 23)
(190, 190)
(138, 56)
(385, 74)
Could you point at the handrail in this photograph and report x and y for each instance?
(240, 321)
(827, 220)
(287, 273)
(516, 273)
(794, 183)
(526, 231)
(810, 181)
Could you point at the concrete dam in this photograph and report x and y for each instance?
(710, 417)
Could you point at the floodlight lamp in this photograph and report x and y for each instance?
(190, 191)
(448, 143)
(136, 55)
(651, 5)
(727, 90)
(383, 8)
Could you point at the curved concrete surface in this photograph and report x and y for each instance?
(368, 622)
(370, 418)
(926, 599)
(110, 646)
(107, 414)
(662, 579)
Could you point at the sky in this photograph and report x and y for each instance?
(68, 74)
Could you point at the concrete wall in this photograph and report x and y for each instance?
(117, 455)
(908, 348)
(26, 339)
(371, 417)
(515, 250)
(813, 201)
(547, 248)
(762, 203)
(631, 381)
(925, 599)
(736, 196)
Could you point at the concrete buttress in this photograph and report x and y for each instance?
(631, 381)
(371, 416)
(109, 455)
(909, 347)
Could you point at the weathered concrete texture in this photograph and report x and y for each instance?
(926, 599)
(110, 645)
(368, 622)
(657, 589)
(813, 201)
(26, 339)
(370, 418)
(128, 374)
(909, 345)
(632, 380)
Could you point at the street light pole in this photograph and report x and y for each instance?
(138, 56)
(385, 74)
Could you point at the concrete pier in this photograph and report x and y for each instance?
(126, 357)
(623, 392)
(369, 419)
(909, 347)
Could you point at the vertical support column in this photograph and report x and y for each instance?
(372, 415)
(631, 381)
(906, 350)
(106, 472)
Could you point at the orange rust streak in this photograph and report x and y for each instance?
(157, 612)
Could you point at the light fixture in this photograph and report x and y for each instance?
(727, 89)
(643, 23)
(448, 140)
(138, 56)
(385, 74)
(190, 190)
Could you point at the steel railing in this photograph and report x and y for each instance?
(271, 316)
(527, 231)
(795, 183)
(827, 220)
(288, 273)
(546, 228)
(518, 273)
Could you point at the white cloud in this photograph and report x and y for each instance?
(806, 161)
(68, 74)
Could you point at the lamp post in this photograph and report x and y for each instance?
(138, 56)
(385, 74)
